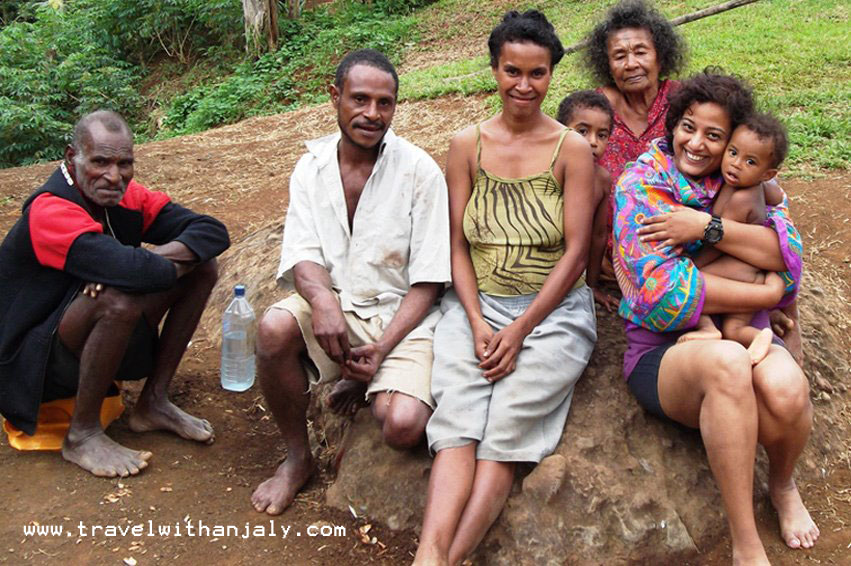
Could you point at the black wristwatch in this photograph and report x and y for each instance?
(714, 231)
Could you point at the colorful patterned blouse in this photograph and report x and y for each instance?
(662, 289)
(624, 146)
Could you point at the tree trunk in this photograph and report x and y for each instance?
(294, 8)
(261, 25)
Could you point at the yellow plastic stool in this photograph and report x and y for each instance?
(54, 420)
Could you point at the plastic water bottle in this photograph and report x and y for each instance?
(238, 343)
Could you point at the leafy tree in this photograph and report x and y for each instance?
(52, 70)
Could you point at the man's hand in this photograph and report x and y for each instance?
(502, 350)
(92, 289)
(363, 362)
(784, 327)
(680, 226)
(329, 327)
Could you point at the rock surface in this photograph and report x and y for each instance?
(621, 486)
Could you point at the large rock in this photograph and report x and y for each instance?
(621, 486)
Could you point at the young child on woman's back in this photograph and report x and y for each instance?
(753, 155)
(590, 114)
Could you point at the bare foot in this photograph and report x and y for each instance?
(347, 397)
(705, 330)
(429, 557)
(278, 492)
(756, 558)
(165, 415)
(760, 346)
(796, 526)
(102, 456)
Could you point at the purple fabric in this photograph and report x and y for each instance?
(640, 340)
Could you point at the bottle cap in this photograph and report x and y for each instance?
(239, 290)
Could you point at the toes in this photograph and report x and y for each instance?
(259, 506)
(793, 543)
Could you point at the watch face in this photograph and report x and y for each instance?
(713, 233)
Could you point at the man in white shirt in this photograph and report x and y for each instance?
(366, 247)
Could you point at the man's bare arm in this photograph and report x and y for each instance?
(179, 254)
(313, 282)
(365, 360)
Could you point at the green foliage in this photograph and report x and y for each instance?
(10, 10)
(302, 68)
(144, 30)
(52, 70)
(60, 59)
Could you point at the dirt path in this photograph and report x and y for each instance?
(239, 173)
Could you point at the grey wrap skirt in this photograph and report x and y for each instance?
(519, 418)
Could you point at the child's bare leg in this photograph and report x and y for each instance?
(737, 327)
(705, 330)
(731, 268)
(728, 267)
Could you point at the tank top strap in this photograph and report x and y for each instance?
(558, 146)
(478, 147)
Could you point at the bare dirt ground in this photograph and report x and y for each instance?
(239, 173)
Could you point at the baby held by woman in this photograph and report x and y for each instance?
(751, 159)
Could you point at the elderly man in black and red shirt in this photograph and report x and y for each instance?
(81, 300)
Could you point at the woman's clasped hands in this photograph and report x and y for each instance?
(497, 351)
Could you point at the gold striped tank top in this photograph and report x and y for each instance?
(515, 228)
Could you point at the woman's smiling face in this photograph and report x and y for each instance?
(523, 75)
(700, 138)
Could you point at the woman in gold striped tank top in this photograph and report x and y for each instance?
(518, 328)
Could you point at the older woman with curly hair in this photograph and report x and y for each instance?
(630, 53)
(662, 218)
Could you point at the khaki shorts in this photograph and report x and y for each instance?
(406, 369)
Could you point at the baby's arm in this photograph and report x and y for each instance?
(773, 194)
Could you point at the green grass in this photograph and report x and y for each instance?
(794, 52)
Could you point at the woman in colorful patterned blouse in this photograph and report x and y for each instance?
(518, 328)
(629, 53)
(662, 217)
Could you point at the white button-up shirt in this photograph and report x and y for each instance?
(400, 233)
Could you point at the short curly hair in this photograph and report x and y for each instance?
(531, 26)
(770, 129)
(729, 92)
(368, 57)
(634, 14)
(583, 99)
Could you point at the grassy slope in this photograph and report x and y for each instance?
(794, 52)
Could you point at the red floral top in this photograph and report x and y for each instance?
(624, 146)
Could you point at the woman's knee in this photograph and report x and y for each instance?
(783, 389)
(729, 370)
